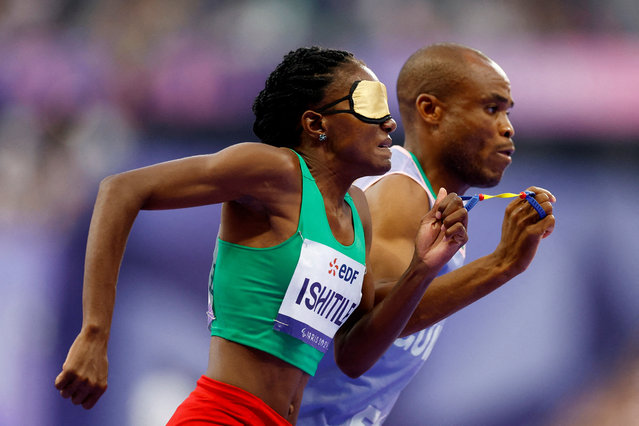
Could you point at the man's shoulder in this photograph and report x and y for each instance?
(398, 191)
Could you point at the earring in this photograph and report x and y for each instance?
(322, 137)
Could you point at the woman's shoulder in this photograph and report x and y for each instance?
(266, 160)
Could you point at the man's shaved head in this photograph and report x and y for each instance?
(440, 70)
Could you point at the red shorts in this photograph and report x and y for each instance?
(218, 403)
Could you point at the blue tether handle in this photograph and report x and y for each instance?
(527, 195)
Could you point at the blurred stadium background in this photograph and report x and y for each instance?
(90, 88)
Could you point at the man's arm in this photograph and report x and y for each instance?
(395, 203)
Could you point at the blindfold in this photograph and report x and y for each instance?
(368, 102)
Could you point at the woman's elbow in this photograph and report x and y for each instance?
(111, 184)
(353, 373)
(120, 189)
(352, 368)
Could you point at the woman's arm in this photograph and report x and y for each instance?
(251, 173)
(371, 330)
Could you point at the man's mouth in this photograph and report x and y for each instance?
(507, 151)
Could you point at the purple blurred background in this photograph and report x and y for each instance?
(91, 88)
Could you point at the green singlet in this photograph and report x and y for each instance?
(248, 284)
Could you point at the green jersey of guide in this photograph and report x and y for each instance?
(290, 299)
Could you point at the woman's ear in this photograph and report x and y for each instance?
(429, 108)
(313, 124)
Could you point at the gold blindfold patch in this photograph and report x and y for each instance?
(367, 100)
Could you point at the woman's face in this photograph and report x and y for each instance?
(360, 146)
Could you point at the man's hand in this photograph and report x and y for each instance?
(522, 231)
(84, 373)
(442, 231)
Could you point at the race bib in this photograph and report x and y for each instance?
(325, 290)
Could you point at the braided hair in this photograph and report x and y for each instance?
(296, 84)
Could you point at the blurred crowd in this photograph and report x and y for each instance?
(81, 80)
(92, 87)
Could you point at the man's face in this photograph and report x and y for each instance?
(477, 131)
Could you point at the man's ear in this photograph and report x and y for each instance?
(313, 124)
(429, 108)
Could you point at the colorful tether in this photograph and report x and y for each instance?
(524, 195)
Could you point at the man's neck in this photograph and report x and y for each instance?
(434, 169)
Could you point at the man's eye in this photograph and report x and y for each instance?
(493, 109)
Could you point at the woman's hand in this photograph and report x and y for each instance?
(442, 231)
(84, 373)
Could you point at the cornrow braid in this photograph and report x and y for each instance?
(296, 84)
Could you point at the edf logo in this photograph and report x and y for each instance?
(345, 272)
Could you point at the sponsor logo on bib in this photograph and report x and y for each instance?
(318, 301)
